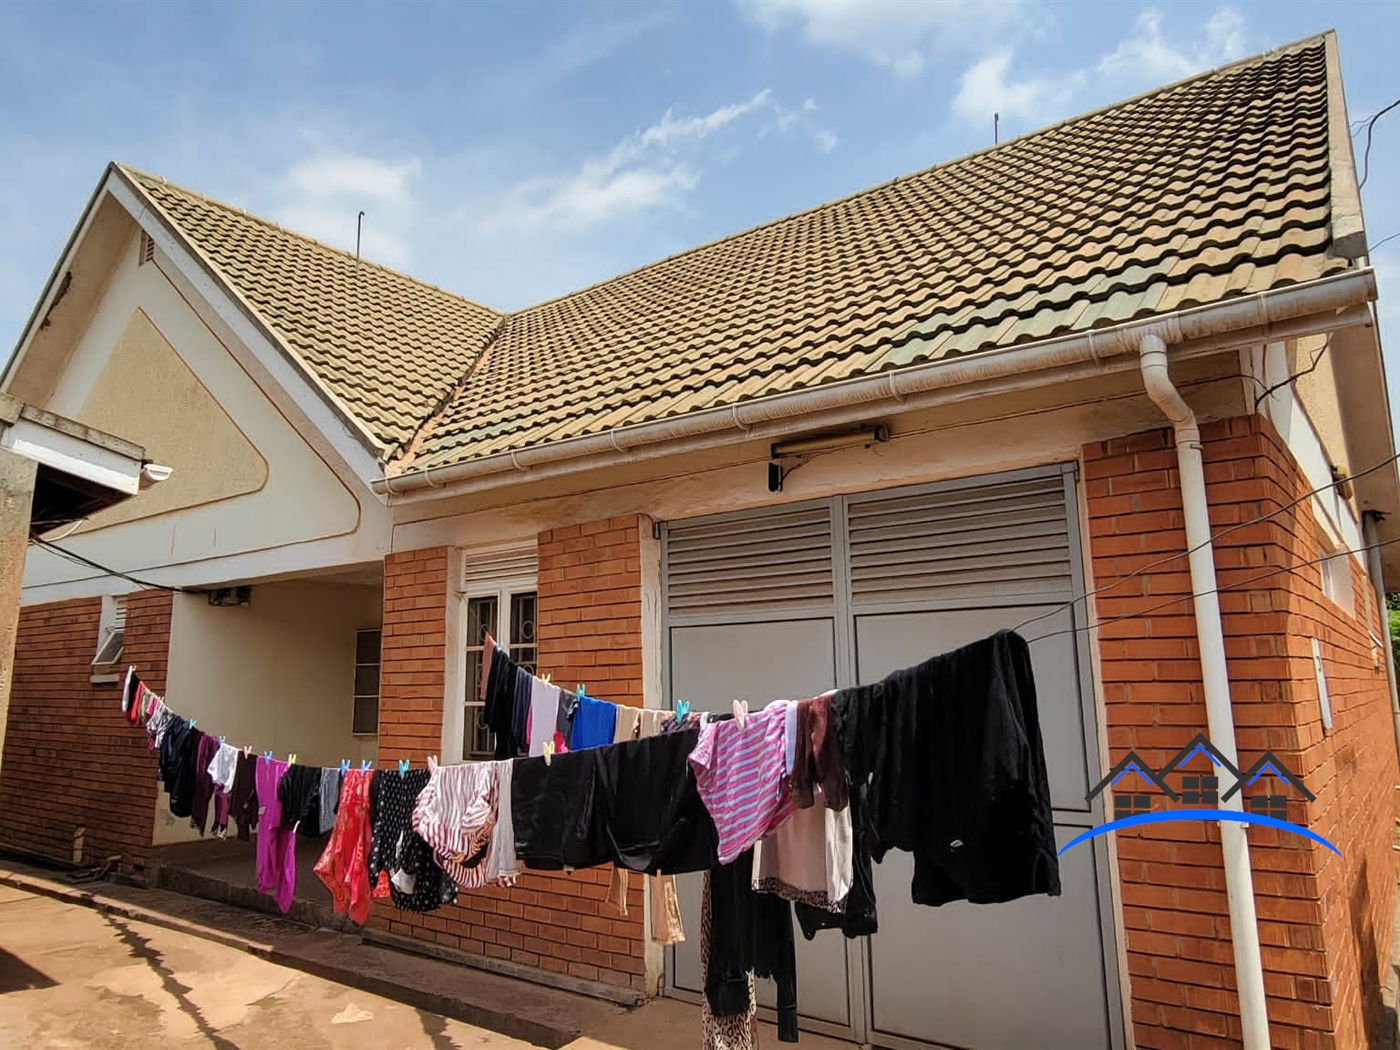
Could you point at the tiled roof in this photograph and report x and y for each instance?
(1214, 188)
(389, 348)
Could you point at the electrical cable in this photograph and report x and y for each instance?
(1317, 358)
(1214, 536)
(1366, 156)
(1289, 569)
(63, 552)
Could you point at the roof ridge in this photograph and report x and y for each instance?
(1249, 60)
(138, 175)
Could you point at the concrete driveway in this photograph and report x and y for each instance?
(71, 976)
(76, 976)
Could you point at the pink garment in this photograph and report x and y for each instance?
(739, 773)
(277, 858)
(455, 814)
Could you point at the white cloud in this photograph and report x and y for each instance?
(1146, 56)
(898, 35)
(650, 169)
(1143, 60)
(987, 89)
(322, 196)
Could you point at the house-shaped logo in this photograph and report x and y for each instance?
(1269, 805)
(1200, 789)
(1127, 801)
(1132, 800)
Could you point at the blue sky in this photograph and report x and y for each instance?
(514, 152)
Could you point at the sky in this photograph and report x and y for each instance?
(513, 152)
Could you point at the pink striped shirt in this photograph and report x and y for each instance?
(456, 814)
(739, 773)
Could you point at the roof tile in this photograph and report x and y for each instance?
(1212, 188)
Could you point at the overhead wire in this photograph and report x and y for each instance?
(1282, 570)
(73, 556)
(1317, 359)
(1259, 520)
(1366, 155)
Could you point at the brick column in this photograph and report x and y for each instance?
(413, 656)
(1317, 912)
(590, 607)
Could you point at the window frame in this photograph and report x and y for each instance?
(501, 573)
(355, 695)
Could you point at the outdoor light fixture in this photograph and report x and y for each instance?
(801, 448)
(154, 473)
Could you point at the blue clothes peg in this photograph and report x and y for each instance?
(403, 766)
(682, 709)
(267, 755)
(344, 765)
(364, 765)
(192, 722)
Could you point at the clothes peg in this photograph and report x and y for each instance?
(548, 677)
(403, 766)
(267, 755)
(741, 712)
(247, 750)
(548, 751)
(432, 763)
(292, 759)
(682, 710)
(344, 766)
(221, 741)
(192, 722)
(364, 765)
(580, 692)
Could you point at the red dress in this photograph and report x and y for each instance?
(344, 866)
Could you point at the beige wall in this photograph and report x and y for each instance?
(247, 488)
(275, 675)
(148, 394)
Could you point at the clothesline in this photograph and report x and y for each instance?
(784, 809)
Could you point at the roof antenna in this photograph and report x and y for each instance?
(996, 134)
(359, 222)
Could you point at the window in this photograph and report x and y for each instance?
(366, 715)
(1200, 790)
(1335, 567)
(1130, 805)
(1275, 806)
(516, 632)
(111, 636)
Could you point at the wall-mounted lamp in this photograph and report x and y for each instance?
(154, 474)
(801, 448)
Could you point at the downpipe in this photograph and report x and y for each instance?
(1220, 720)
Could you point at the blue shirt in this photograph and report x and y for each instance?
(595, 721)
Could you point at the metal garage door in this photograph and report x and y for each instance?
(790, 601)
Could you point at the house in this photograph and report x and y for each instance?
(1132, 797)
(1201, 788)
(792, 459)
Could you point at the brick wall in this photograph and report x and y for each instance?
(412, 656)
(1324, 922)
(589, 632)
(590, 608)
(67, 742)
